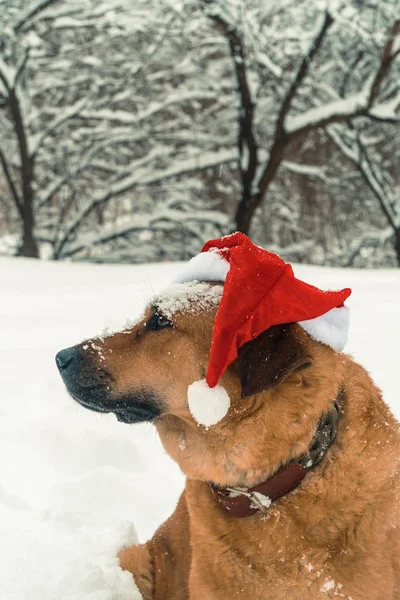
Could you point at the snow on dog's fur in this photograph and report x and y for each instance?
(335, 536)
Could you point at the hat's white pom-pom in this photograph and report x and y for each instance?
(208, 405)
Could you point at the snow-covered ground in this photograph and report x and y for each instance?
(75, 485)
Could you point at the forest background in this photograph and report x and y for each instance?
(134, 131)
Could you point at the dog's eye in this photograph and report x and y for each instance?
(157, 321)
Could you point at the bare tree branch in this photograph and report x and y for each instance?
(197, 163)
(32, 12)
(19, 70)
(288, 128)
(390, 207)
(163, 218)
(65, 116)
(248, 206)
(247, 145)
(371, 239)
(386, 61)
(302, 72)
(341, 110)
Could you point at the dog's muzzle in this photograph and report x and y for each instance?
(86, 383)
(92, 386)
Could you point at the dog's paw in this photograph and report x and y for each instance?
(137, 560)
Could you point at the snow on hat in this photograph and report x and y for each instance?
(260, 290)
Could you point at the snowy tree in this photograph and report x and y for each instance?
(85, 124)
(152, 127)
(26, 131)
(299, 68)
(375, 160)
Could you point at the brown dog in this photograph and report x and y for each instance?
(336, 535)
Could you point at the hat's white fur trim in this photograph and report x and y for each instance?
(332, 328)
(206, 266)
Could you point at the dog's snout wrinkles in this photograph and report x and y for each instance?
(65, 358)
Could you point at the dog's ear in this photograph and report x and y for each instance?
(268, 359)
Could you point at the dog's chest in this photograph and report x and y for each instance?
(259, 559)
(237, 578)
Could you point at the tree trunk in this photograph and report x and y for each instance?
(397, 245)
(29, 246)
(250, 202)
(245, 212)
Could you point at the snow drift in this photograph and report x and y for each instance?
(76, 486)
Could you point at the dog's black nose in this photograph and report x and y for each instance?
(65, 358)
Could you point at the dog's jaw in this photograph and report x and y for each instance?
(143, 406)
(140, 407)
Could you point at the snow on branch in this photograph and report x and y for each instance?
(266, 174)
(65, 115)
(246, 141)
(326, 20)
(31, 12)
(47, 194)
(221, 12)
(265, 62)
(313, 171)
(131, 119)
(163, 218)
(373, 238)
(7, 75)
(387, 111)
(357, 153)
(19, 69)
(333, 112)
(343, 109)
(198, 162)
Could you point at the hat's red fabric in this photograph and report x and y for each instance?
(260, 291)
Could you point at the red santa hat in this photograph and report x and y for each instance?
(260, 290)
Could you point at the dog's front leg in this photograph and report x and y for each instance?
(138, 561)
(161, 567)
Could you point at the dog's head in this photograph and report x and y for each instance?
(278, 387)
